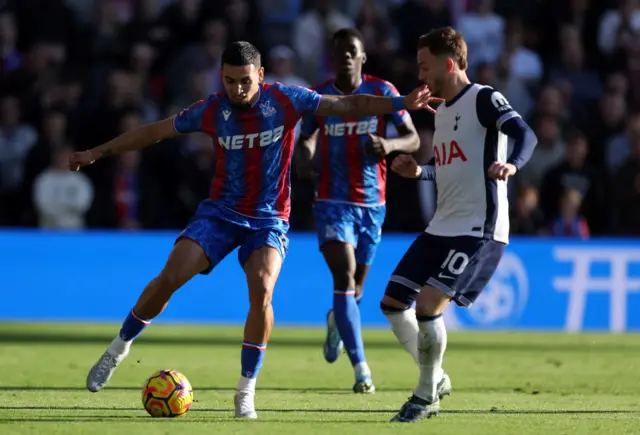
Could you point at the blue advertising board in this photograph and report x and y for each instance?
(549, 284)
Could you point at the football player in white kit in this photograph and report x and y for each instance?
(460, 250)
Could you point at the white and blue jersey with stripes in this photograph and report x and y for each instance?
(472, 131)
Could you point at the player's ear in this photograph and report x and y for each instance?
(261, 74)
(364, 58)
(450, 65)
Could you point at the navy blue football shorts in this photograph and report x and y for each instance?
(459, 266)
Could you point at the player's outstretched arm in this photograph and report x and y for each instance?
(360, 105)
(138, 138)
(407, 140)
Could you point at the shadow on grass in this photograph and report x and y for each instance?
(220, 417)
(145, 419)
(309, 389)
(18, 337)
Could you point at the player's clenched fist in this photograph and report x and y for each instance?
(80, 159)
(406, 166)
(420, 98)
(501, 170)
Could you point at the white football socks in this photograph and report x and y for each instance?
(119, 347)
(247, 384)
(362, 371)
(405, 327)
(432, 342)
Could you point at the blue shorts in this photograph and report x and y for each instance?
(459, 266)
(359, 226)
(219, 230)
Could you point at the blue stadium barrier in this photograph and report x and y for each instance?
(545, 284)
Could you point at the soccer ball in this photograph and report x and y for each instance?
(167, 393)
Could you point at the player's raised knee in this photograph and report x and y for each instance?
(186, 260)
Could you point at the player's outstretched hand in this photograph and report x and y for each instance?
(406, 166)
(501, 170)
(420, 98)
(376, 146)
(80, 159)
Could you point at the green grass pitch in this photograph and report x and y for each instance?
(503, 383)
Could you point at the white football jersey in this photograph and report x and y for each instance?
(466, 141)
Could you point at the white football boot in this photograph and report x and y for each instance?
(244, 403)
(102, 371)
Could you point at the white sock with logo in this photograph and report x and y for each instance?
(432, 342)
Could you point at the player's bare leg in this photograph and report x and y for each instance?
(186, 260)
(262, 270)
(343, 321)
(432, 342)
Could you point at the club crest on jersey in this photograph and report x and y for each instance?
(267, 109)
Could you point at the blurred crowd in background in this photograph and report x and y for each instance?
(75, 73)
